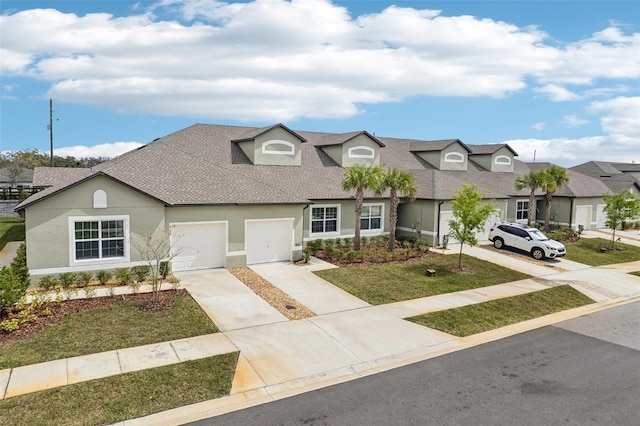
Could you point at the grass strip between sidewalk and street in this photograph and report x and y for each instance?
(472, 319)
(383, 284)
(587, 252)
(116, 326)
(126, 396)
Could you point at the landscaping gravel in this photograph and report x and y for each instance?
(285, 304)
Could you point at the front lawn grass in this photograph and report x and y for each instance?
(480, 317)
(126, 396)
(117, 326)
(587, 251)
(382, 284)
(11, 229)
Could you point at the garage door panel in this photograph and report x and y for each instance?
(269, 241)
(198, 246)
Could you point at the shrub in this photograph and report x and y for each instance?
(314, 246)
(329, 243)
(67, 279)
(103, 277)
(48, 282)
(9, 325)
(307, 255)
(122, 276)
(83, 279)
(19, 265)
(140, 273)
(348, 242)
(11, 289)
(351, 256)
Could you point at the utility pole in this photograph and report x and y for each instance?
(50, 127)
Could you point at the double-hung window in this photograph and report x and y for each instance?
(99, 238)
(324, 219)
(522, 210)
(371, 218)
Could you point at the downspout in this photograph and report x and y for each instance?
(571, 213)
(302, 236)
(438, 226)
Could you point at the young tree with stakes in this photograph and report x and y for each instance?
(469, 216)
(619, 208)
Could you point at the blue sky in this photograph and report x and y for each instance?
(554, 79)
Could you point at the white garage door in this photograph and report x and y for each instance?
(268, 240)
(200, 245)
(601, 217)
(583, 216)
(483, 235)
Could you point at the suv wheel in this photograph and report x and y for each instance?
(537, 253)
(498, 243)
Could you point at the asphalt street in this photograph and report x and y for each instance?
(584, 371)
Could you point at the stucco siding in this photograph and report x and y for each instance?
(47, 222)
(269, 149)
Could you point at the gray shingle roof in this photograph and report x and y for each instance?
(200, 165)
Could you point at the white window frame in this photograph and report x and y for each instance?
(290, 151)
(106, 260)
(371, 153)
(453, 157)
(526, 210)
(375, 230)
(502, 160)
(324, 206)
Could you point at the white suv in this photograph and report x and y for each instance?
(530, 240)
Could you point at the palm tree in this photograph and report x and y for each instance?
(399, 182)
(534, 181)
(361, 178)
(555, 177)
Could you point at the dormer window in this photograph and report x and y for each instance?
(361, 152)
(453, 157)
(278, 147)
(503, 160)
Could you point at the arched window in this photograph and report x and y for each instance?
(453, 157)
(503, 160)
(99, 199)
(278, 147)
(361, 152)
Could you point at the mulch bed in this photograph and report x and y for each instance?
(59, 310)
(380, 261)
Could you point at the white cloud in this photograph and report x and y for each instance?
(556, 93)
(269, 59)
(108, 150)
(573, 121)
(539, 126)
(619, 142)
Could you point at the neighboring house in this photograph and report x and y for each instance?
(230, 196)
(616, 176)
(15, 177)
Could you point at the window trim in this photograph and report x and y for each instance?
(275, 142)
(72, 239)
(368, 152)
(375, 230)
(453, 157)
(502, 160)
(323, 234)
(526, 210)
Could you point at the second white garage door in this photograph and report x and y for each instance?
(200, 245)
(268, 240)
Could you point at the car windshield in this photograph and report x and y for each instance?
(537, 235)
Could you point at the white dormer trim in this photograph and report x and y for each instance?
(99, 199)
(291, 148)
(453, 157)
(370, 152)
(504, 160)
